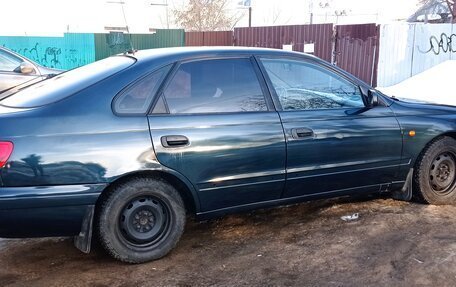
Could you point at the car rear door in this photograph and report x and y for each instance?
(215, 124)
(334, 143)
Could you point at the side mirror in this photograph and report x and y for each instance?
(371, 98)
(27, 68)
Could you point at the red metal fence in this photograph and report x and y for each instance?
(356, 50)
(211, 38)
(297, 35)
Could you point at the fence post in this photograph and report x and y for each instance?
(333, 46)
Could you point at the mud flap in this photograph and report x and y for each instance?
(83, 241)
(406, 192)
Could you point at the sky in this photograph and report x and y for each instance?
(54, 17)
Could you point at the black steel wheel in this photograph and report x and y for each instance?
(140, 220)
(435, 174)
(144, 220)
(442, 173)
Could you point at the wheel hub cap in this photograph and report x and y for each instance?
(143, 220)
(442, 173)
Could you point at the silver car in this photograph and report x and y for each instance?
(16, 70)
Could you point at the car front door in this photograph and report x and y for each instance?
(334, 143)
(215, 124)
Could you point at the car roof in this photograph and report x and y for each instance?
(164, 56)
(189, 52)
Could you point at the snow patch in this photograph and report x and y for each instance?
(436, 85)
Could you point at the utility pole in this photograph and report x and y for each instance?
(246, 4)
(311, 11)
(250, 16)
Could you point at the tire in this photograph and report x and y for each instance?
(140, 220)
(435, 174)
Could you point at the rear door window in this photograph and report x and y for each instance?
(215, 86)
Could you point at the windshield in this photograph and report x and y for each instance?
(66, 84)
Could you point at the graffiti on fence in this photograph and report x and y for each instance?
(446, 44)
(30, 53)
(71, 56)
(54, 54)
(52, 57)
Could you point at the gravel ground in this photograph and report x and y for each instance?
(392, 243)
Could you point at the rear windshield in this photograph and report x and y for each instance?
(66, 84)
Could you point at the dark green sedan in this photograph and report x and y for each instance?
(125, 148)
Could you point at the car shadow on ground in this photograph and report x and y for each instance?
(306, 244)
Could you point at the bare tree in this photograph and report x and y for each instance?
(206, 15)
(449, 3)
(275, 16)
(451, 7)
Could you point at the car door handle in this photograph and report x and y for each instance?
(174, 141)
(301, 133)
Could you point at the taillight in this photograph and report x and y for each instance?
(6, 148)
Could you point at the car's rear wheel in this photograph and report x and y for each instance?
(140, 220)
(435, 176)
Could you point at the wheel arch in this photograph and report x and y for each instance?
(449, 134)
(421, 187)
(418, 155)
(182, 185)
(406, 192)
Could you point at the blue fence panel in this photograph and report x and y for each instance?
(67, 52)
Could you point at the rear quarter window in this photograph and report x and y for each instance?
(137, 98)
(66, 84)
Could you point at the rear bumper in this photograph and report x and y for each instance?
(45, 210)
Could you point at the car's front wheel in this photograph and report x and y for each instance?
(435, 175)
(140, 220)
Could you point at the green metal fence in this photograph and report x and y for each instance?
(114, 43)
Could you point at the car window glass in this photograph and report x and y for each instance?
(8, 63)
(304, 86)
(137, 99)
(160, 107)
(214, 86)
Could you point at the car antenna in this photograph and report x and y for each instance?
(131, 50)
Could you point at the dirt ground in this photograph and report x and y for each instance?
(392, 243)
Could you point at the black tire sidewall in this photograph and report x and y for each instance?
(108, 221)
(424, 189)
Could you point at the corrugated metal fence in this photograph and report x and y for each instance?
(67, 52)
(409, 49)
(115, 43)
(320, 35)
(356, 50)
(75, 50)
(380, 55)
(211, 38)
